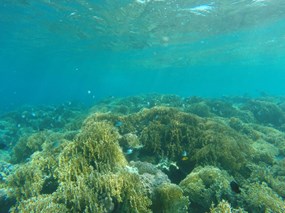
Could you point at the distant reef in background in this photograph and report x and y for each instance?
(149, 153)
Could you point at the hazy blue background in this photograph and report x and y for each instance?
(58, 51)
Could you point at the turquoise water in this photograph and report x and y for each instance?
(52, 52)
(140, 106)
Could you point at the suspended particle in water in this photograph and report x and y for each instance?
(165, 40)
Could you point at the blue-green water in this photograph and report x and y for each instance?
(163, 106)
(57, 51)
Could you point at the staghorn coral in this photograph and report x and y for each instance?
(107, 192)
(87, 175)
(89, 172)
(98, 144)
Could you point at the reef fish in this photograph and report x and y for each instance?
(235, 187)
(129, 151)
(184, 156)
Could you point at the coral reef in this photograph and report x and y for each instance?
(29, 180)
(260, 198)
(266, 112)
(41, 203)
(43, 140)
(167, 132)
(87, 175)
(150, 153)
(225, 207)
(169, 198)
(6, 202)
(205, 185)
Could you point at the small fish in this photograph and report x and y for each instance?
(3, 145)
(184, 156)
(118, 123)
(235, 187)
(129, 151)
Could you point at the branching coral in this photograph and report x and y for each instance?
(261, 198)
(89, 172)
(266, 112)
(205, 185)
(169, 198)
(89, 175)
(29, 179)
(225, 207)
(167, 132)
(40, 141)
(41, 203)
